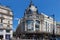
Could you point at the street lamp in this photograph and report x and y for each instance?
(53, 27)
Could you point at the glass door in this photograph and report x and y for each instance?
(7, 37)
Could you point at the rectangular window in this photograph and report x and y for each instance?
(37, 27)
(30, 29)
(8, 31)
(37, 22)
(1, 30)
(1, 15)
(29, 25)
(37, 17)
(1, 20)
(1, 25)
(47, 26)
(8, 24)
(29, 16)
(7, 36)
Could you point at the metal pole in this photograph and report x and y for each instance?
(54, 27)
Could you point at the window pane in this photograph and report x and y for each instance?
(29, 16)
(37, 22)
(7, 30)
(29, 24)
(37, 25)
(1, 30)
(7, 36)
(30, 11)
(0, 15)
(37, 16)
(1, 25)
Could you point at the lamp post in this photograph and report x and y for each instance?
(53, 27)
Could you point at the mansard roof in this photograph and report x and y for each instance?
(31, 8)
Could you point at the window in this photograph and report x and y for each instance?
(51, 25)
(1, 25)
(29, 16)
(8, 24)
(46, 26)
(37, 22)
(7, 36)
(8, 31)
(37, 16)
(37, 25)
(1, 15)
(30, 29)
(1, 20)
(1, 30)
(29, 22)
(29, 25)
(30, 11)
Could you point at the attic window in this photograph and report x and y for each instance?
(30, 11)
(33, 8)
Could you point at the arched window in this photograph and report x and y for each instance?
(29, 25)
(37, 25)
(37, 22)
(30, 11)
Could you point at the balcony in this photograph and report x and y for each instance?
(9, 28)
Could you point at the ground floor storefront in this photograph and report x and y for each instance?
(5, 37)
(5, 34)
(37, 36)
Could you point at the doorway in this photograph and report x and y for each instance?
(1, 36)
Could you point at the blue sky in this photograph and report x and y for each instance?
(18, 7)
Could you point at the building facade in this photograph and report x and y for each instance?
(6, 23)
(58, 28)
(35, 25)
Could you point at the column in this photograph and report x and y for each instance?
(34, 25)
(11, 33)
(4, 35)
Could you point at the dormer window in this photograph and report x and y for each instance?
(30, 11)
(33, 8)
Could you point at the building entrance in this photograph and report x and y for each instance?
(7, 37)
(1, 36)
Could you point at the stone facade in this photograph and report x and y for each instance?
(6, 23)
(35, 25)
(58, 28)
